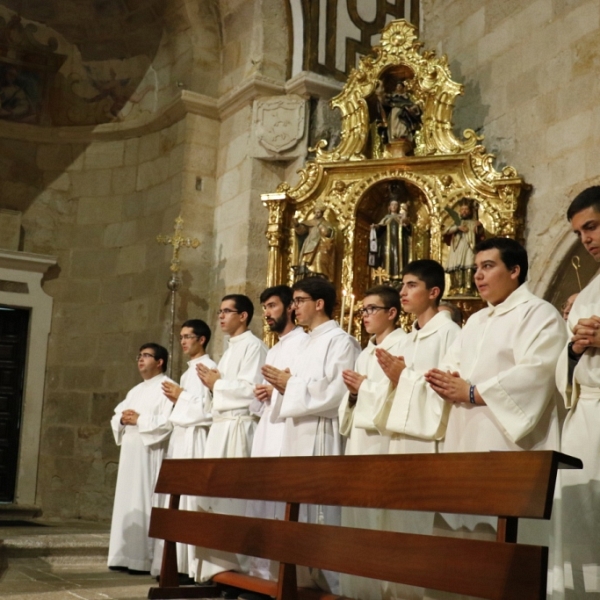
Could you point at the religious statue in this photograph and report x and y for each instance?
(462, 236)
(317, 253)
(391, 240)
(404, 118)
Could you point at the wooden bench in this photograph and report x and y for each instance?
(509, 485)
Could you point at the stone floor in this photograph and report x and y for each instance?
(62, 561)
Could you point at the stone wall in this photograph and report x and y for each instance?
(530, 71)
(96, 197)
(101, 220)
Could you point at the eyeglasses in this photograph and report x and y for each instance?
(298, 300)
(371, 309)
(144, 355)
(187, 336)
(226, 311)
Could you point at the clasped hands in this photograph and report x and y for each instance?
(586, 334)
(391, 365)
(451, 387)
(207, 376)
(278, 378)
(129, 417)
(171, 390)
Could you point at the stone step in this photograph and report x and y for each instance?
(55, 544)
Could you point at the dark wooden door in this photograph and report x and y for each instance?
(14, 323)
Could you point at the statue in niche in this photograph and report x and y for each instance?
(462, 236)
(317, 253)
(390, 241)
(404, 119)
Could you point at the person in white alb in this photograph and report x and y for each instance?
(417, 416)
(577, 563)
(141, 427)
(498, 376)
(232, 385)
(191, 420)
(312, 392)
(367, 389)
(499, 373)
(368, 386)
(268, 437)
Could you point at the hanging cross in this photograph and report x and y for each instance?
(178, 241)
(380, 275)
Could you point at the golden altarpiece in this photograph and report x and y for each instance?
(397, 153)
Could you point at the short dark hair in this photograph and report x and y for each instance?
(318, 288)
(389, 296)
(242, 304)
(200, 328)
(590, 197)
(511, 252)
(429, 271)
(283, 292)
(160, 353)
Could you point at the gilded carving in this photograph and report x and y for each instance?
(353, 182)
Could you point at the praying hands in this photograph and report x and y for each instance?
(171, 390)
(451, 387)
(391, 365)
(208, 376)
(586, 334)
(276, 377)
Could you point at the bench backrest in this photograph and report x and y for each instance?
(509, 485)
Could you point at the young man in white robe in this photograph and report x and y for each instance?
(498, 375)
(313, 391)
(191, 419)
(268, 437)
(141, 427)
(577, 570)
(415, 416)
(232, 386)
(367, 389)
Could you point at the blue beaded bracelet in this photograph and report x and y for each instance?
(472, 395)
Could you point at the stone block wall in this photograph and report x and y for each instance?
(100, 213)
(530, 71)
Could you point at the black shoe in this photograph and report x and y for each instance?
(117, 568)
(230, 593)
(135, 572)
(185, 579)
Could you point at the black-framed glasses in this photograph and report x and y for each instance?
(188, 336)
(144, 355)
(371, 309)
(298, 300)
(226, 311)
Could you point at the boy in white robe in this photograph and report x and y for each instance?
(368, 388)
(312, 392)
(498, 375)
(141, 427)
(191, 420)
(232, 386)
(268, 437)
(417, 416)
(577, 564)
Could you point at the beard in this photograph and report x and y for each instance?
(279, 324)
